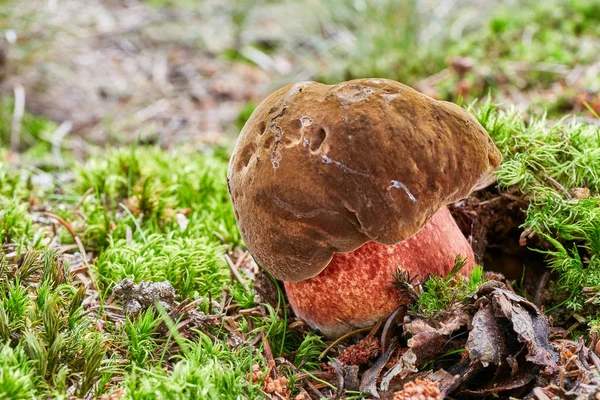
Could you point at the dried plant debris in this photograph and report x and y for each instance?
(363, 352)
(496, 344)
(486, 342)
(530, 325)
(420, 390)
(140, 297)
(275, 385)
(491, 219)
(579, 373)
(369, 378)
(428, 342)
(266, 291)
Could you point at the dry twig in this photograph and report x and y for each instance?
(236, 273)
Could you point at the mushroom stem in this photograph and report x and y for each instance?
(356, 289)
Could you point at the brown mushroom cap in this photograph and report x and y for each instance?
(322, 169)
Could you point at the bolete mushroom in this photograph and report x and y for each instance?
(336, 187)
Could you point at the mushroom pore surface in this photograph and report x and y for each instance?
(323, 169)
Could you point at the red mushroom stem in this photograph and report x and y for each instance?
(356, 289)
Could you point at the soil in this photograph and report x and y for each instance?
(118, 70)
(492, 220)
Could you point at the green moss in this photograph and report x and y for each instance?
(45, 334)
(147, 214)
(16, 225)
(438, 294)
(16, 371)
(208, 370)
(194, 266)
(308, 352)
(15, 221)
(34, 134)
(142, 338)
(155, 185)
(176, 206)
(548, 163)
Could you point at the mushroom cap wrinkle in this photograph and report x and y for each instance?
(323, 169)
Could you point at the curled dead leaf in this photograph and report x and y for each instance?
(486, 341)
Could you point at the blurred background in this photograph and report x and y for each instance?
(79, 72)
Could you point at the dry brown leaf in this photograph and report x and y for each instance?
(486, 342)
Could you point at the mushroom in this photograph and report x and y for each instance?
(337, 187)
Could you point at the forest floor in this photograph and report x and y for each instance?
(123, 274)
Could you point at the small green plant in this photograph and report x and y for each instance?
(438, 293)
(46, 336)
(34, 130)
(308, 352)
(15, 221)
(16, 371)
(142, 338)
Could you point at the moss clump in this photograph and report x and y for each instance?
(438, 293)
(45, 333)
(556, 168)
